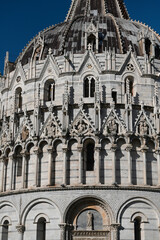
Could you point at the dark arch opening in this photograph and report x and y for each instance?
(92, 41)
(41, 229)
(18, 98)
(49, 90)
(137, 228)
(148, 46)
(5, 229)
(89, 156)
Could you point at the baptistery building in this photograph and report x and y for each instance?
(80, 130)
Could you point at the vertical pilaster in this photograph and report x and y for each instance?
(23, 153)
(144, 152)
(113, 149)
(80, 148)
(115, 231)
(63, 231)
(129, 149)
(11, 159)
(50, 157)
(158, 165)
(2, 159)
(36, 151)
(98, 164)
(65, 165)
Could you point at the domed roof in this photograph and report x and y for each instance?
(108, 17)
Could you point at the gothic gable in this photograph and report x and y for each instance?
(82, 125)
(90, 63)
(144, 125)
(113, 124)
(19, 75)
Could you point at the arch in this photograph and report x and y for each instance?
(33, 203)
(42, 215)
(132, 201)
(5, 218)
(88, 151)
(139, 214)
(79, 203)
(41, 229)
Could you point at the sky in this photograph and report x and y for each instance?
(21, 20)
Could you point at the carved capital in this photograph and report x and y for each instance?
(20, 228)
(36, 150)
(50, 150)
(128, 147)
(144, 148)
(23, 153)
(113, 147)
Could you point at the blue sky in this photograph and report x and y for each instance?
(21, 20)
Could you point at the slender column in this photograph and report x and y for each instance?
(23, 153)
(115, 231)
(20, 230)
(113, 149)
(80, 148)
(50, 157)
(158, 165)
(36, 151)
(2, 173)
(65, 165)
(129, 149)
(11, 159)
(144, 151)
(98, 164)
(63, 231)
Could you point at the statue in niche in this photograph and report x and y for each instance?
(143, 127)
(89, 221)
(4, 137)
(25, 133)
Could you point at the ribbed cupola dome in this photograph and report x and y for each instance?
(106, 20)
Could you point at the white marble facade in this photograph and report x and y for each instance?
(80, 137)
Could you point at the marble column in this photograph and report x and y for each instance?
(65, 165)
(63, 231)
(158, 165)
(129, 149)
(80, 149)
(144, 151)
(50, 158)
(115, 231)
(2, 160)
(23, 154)
(98, 164)
(11, 160)
(36, 151)
(20, 230)
(113, 149)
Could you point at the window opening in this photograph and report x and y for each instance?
(148, 46)
(18, 98)
(49, 91)
(90, 157)
(137, 228)
(114, 96)
(5, 229)
(41, 229)
(92, 41)
(157, 52)
(89, 87)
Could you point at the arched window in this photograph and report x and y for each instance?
(89, 87)
(137, 228)
(5, 229)
(128, 88)
(114, 96)
(148, 46)
(18, 161)
(49, 90)
(18, 98)
(89, 155)
(91, 40)
(41, 229)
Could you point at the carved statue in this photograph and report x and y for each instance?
(52, 129)
(25, 133)
(111, 126)
(89, 221)
(143, 127)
